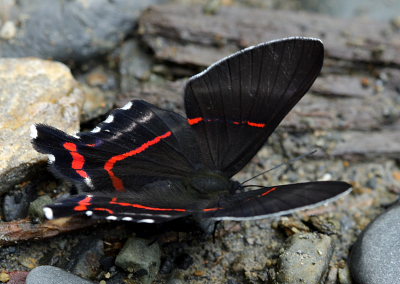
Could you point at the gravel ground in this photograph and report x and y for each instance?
(351, 115)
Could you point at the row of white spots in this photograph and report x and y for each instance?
(48, 212)
(110, 118)
(113, 218)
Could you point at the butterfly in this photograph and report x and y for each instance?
(149, 165)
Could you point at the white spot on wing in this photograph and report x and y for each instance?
(89, 213)
(127, 106)
(127, 219)
(327, 177)
(96, 130)
(88, 182)
(34, 132)
(52, 159)
(146, 221)
(111, 218)
(48, 212)
(109, 119)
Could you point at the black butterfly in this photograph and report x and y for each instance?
(149, 165)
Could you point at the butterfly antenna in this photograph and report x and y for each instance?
(280, 165)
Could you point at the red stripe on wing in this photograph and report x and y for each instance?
(115, 202)
(78, 161)
(104, 209)
(196, 120)
(83, 204)
(109, 165)
(269, 191)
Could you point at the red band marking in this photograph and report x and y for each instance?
(269, 191)
(78, 161)
(83, 204)
(195, 120)
(90, 145)
(261, 125)
(104, 209)
(212, 209)
(114, 201)
(109, 165)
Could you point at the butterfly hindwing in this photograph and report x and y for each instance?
(136, 145)
(277, 200)
(236, 103)
(156, 202)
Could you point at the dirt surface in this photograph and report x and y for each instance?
(351, 115)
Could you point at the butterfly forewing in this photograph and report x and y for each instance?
(134, 146)
(237, 103)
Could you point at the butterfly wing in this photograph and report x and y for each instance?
(277, 200)
(237, 103)
(136, 145)
(170, 200)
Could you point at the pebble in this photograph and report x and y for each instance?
(86, 257)
(138, 256)
(16, 203)
(32, 91)
(53, 275)
(305, 259)
(36, 207)
(375, 257)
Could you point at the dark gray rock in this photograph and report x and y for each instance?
(86, 258)
(140, 257)
(375, 257)
(16, 203)
(68, 30)
(305, 259)
(53, 275)
(135, 66)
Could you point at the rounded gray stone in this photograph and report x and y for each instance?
(305, 259)
(375, 257)
(137, 255)
(53, 275)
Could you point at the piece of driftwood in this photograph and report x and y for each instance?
(356, 94)
(23, 230)
(185, 34)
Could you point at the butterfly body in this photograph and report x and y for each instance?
(146, 164)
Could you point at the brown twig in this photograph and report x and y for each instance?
(22, 230)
